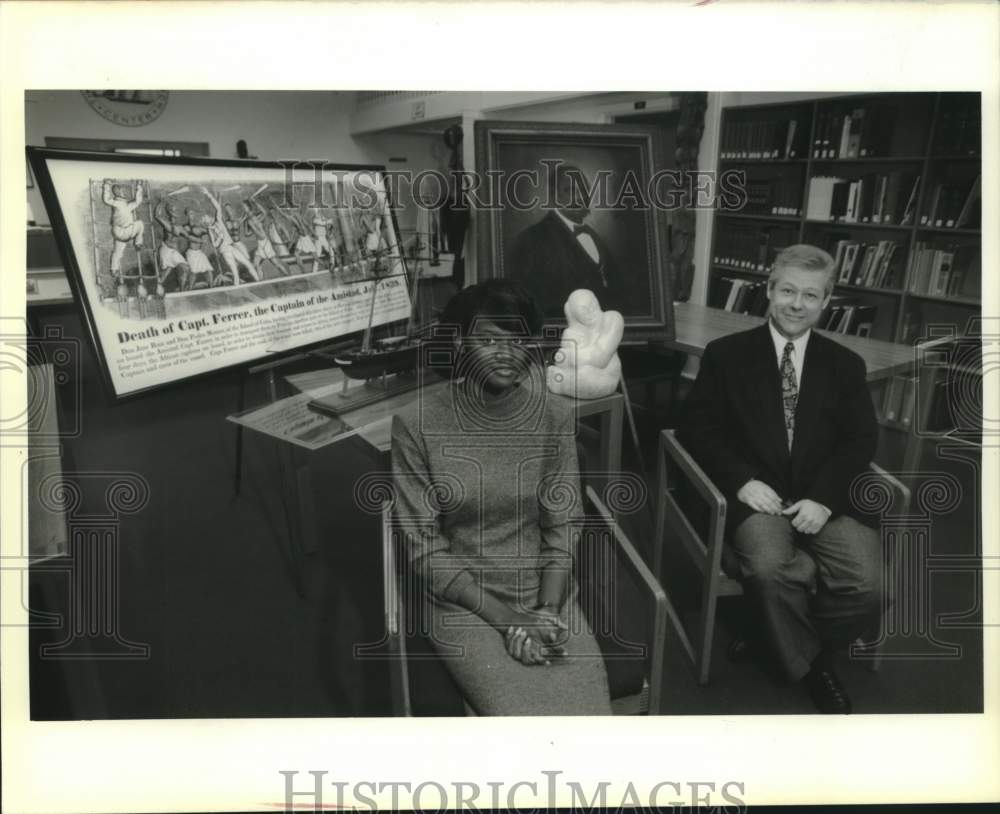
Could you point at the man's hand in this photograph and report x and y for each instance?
(808, 516)
(760, 497)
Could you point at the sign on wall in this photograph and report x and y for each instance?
(186, 266)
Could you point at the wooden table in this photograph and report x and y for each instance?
(373, 422)
(697, 325)
(373, 425)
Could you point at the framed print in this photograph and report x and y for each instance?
(576, 206)
(184, 266)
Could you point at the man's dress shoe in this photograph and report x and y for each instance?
(826, 691)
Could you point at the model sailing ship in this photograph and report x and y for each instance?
(375, 359)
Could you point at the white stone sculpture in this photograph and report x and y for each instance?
(586, 364)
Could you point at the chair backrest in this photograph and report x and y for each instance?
(421, 685)
(619, 596)
(684, 489)
(624, 603)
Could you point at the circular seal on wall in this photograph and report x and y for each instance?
(130, 108)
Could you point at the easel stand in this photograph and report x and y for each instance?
(296, 491)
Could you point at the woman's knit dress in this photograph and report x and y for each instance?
(487, 493)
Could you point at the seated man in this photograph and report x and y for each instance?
(782, 421)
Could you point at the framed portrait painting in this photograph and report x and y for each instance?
(564, 206)
(185, 266)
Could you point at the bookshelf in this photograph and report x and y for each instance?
(889, 184)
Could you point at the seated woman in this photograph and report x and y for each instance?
(487, 486)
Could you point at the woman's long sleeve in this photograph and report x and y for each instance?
(560, 499)
(428, 551)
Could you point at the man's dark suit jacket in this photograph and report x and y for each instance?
(550, 263)
(734, 425)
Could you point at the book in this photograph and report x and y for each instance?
(893, 398)
(839, 200)
(877, 130)
(820, 200)
(889, 211)
(964, 218)
(907, 401)
(838, 261)
(869, 189)
(883, 275)
(734, 287)
(878, 207)
(866, 263)
(853, 193)
(790, 138)
(850, 258)
(880, 249)
(932, 206)
(833, 315)
(941, 272)
(741, 297)
(970, 282)
(911, 204)
(844, 324)
(845, 137)
(862, 320)
(854, 134)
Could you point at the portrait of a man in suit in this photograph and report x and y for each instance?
(561, 252)
(781, 419)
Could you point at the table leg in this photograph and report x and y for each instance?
(916, 436)
(291, 506)
(611, 437)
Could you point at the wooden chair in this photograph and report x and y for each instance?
(630, 627)
(707, 548)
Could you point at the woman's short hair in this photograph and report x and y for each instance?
(805, 257)
(501, 301)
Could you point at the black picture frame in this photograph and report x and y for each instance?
(303, 172)
(515, 161)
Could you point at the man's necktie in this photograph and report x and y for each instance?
(789, 390)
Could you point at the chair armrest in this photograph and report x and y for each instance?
(702, 483)
(627, 547)
(390, 586)
(902, 491)
(661, 604)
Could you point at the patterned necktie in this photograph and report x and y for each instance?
(789, 390)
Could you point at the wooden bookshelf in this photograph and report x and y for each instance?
(914, 158)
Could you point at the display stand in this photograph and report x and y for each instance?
(299, 428)
(349, 399)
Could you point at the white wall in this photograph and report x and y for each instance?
(275, 124)
(594, 108)
(317, 125)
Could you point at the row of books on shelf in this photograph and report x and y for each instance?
(899, 399)
(751, 247)
(843, 315)
(781, 195)
(899, 403)
(863, 132)
(743, 296)
(946, 271)
(846, 316)
(876, 198)
(765, 139)
(872, 265)
(959, 125)
(954, 204)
